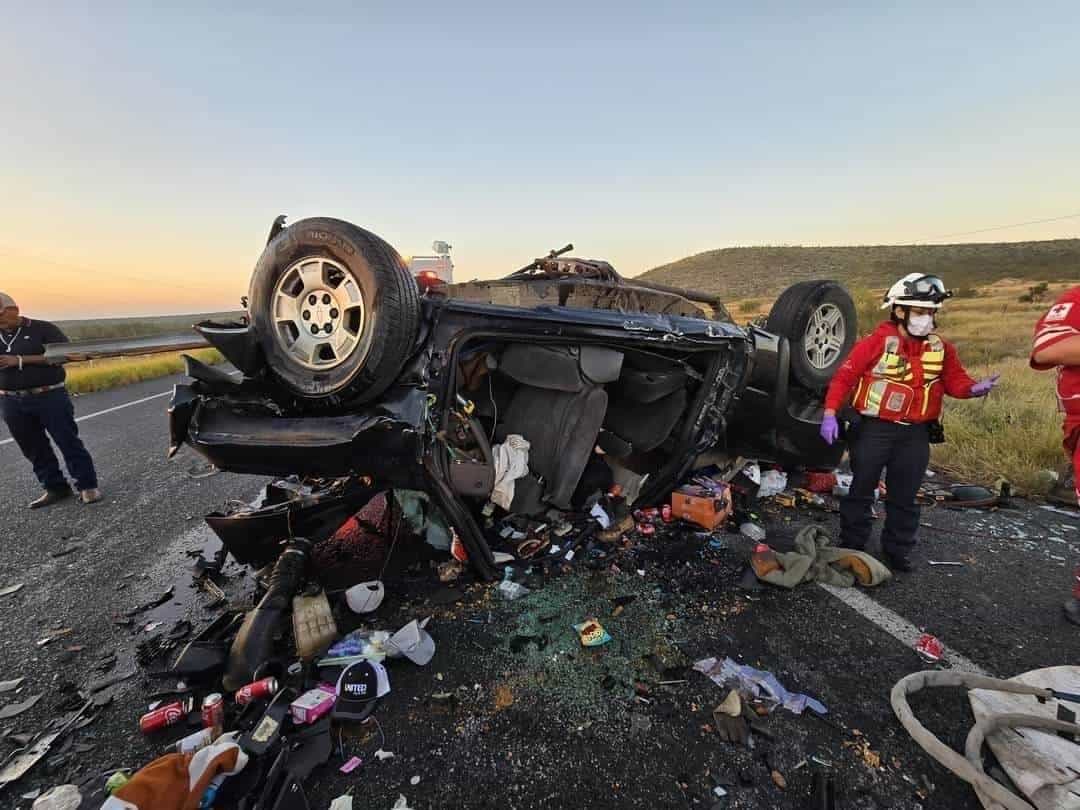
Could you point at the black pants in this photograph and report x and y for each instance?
(32, 420)
(905, 451)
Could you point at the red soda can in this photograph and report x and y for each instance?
(929, 648)
(164, 716)
(457, 549)
(213, 712)
(665, 513)
(264, 688)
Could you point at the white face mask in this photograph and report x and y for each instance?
(920, 325)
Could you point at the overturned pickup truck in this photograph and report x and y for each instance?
(358, 374)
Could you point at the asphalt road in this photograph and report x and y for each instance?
(120, 551)
(999, 612)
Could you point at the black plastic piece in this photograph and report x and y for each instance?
(214, 377)
(254, 538)
(377, 441)
(292, 796)
(641, 385)
(646, 426)
(265, 736)
(205, 656)
(237, 342)
(1069, 716)
(822, 792)
(254, 643)
(613, 445)
(181, 409)
(276, 227)
(311, 747)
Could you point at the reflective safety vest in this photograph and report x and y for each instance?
(891, 389)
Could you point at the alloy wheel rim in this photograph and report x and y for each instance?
(824, 339)
(319, 312)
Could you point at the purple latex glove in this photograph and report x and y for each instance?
(984, 387)
(830, 429)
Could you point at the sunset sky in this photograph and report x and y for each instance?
(146, 150)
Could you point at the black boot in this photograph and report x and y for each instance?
(899, 562)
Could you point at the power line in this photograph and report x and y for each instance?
(999, 228)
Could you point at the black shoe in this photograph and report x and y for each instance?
(898, 562)
(50, 497)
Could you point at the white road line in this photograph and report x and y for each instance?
(120, 407)
(895, 625)
(108, 410)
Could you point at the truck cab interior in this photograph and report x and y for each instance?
(593, 416)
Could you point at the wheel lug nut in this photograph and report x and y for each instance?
(326, 298)
(333, 313)
(328, 329)
(314, 329)
(312, 299)
(306, 315)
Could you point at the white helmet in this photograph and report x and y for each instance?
(917, 290)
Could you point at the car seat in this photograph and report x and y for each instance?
(558, 407)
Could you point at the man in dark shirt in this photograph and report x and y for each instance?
(35, 405)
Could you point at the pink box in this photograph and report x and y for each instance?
(313, 704)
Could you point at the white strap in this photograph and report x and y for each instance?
(10, 343)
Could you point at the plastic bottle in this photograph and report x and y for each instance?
(763, 559)
(210, 796)
(752, 531)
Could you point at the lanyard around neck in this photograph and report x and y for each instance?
(10, 343)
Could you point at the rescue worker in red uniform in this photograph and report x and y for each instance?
(1057, 345)
(895, 380)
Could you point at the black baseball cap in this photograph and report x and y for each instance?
(359, 688)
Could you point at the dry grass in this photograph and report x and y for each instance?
(1015, 433)
(746, 272)
(91, 328)
(100, 375)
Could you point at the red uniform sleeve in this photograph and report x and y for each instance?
(863, 355)
(1061, 321)
(953, 374)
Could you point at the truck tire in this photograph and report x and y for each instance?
(335, 311)
(818, 319)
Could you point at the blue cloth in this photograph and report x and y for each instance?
(32, 420)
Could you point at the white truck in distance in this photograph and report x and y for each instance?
(430, 268)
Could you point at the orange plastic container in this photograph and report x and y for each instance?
(696, 505)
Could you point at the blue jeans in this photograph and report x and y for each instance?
(32, 420)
